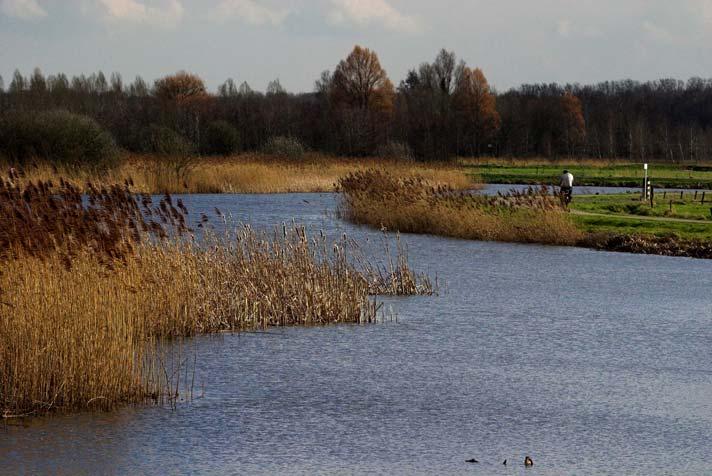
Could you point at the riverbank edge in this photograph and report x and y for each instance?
(647, 244)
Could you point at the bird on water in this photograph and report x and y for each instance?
(528, 461)
(473, 460)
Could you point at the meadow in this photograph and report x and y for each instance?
(589, 172)
(685, 215)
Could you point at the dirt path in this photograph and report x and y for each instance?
(640, 217)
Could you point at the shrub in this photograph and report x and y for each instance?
(161, 140)
(284, 147)
(221, 138)
(395, 151)
(58, 136)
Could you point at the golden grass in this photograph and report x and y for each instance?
(412, 205)
(247, 173)
(88, 291)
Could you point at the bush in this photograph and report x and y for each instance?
(396, 151)
(60, 137)
(284, 147)
(221, 138)
(161, 140)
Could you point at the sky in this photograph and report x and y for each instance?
(514, 42)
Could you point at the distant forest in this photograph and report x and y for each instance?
(441, 109)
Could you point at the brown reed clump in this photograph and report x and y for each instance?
(43, 218)
(90, 286)
(414, 205)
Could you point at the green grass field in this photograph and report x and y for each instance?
(627, 214)
(688, 206)
(591, 173)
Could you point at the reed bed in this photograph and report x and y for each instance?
(247, 173)
(415, 205)
(92, 285)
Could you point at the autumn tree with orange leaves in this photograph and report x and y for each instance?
(476, 110)
(572, 122)
(180, 87)
(184, 101)
(360, 81)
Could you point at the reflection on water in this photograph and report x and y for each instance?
(590, 362)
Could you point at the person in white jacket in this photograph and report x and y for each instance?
(567, 185)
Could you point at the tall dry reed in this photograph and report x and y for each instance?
(91, 283)
(414, 205)
(247, 173)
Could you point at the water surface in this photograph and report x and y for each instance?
(590, 362)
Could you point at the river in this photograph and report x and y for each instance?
(589, 362)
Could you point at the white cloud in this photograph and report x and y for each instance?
(166, 14)
(25, 9)
(366, 12)
(250, 11)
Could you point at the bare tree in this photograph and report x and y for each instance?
(117, 83)
(18, 84)
(228, 89)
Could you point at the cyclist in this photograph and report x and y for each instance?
(567, 186)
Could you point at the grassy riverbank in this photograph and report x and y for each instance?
(685, 215)
(589, 173)
(411, 205)
(93, 285)
(247, 173)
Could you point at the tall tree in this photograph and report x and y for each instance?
(361, 102)
(275, 88)
(38, 84)
(359, 80)
(428, 97)
(476, 109)
(117, 83)
(18, 84)
(179, 87)
(245, 89)
(58, 83)
(573, 125)
(323, 85)
(139, 88)
(228, 89)
(100, 84)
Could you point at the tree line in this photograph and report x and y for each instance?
(441, 109)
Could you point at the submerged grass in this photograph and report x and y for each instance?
(415, 205)
(91, 285)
